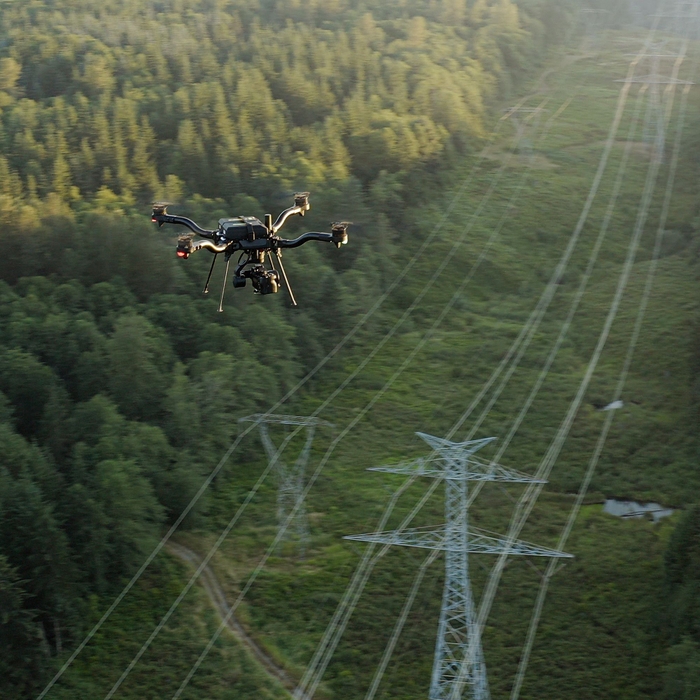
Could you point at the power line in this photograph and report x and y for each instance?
(331, 646)
(359, 416)
(526, 503)
(534, 391)
(573, 308)
(427, 243)
(551, 568)
(600, 169)
(375, 682)
(327, 648)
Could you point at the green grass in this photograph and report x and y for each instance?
(227, 673)
(597, 637)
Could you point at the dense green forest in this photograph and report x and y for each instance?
(120, 385)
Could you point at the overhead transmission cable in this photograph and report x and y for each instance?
(343, 385)
(359, 572)
(307, 688)
(427, 243)
(528, 330)
(527, 501)
(535, 390)
(537, 315)
(356, 419)
(535, 320)
(563, 332)
(593, 462)
(530, 326)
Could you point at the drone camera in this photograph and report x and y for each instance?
(265, 281)
(239, 281)
(301, 199)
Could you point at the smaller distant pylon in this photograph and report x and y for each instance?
(290, 481)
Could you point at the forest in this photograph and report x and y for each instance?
(120, 385)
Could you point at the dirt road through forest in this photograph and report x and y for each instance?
(217, 596)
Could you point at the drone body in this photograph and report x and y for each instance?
(254, 240)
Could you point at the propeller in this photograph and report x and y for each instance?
(160, 209)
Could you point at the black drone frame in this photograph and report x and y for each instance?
(254, 240)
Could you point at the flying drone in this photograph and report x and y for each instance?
(254, 240)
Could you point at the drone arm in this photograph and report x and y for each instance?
(282, 218)
(161, 219)
(339, 237)
(186, 246)
(198, 245)
(301, 206)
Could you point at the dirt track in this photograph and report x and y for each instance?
(217, 596)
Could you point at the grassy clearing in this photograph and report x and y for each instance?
(597, 637)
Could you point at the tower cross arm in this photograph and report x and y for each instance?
(422, 537)
(479, 542)
(655, 80)
(436, 466)
(284, 420)
(483, 542)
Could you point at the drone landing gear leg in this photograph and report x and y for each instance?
(223, 287)
(211, 269)
(278, 257)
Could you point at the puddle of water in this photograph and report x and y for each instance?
(632, 509)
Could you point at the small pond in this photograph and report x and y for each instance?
(632, 509)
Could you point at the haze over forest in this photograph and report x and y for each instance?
(121, 387)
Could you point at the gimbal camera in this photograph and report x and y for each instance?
(254, 240)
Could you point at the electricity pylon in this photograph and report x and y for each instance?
(593, 21)
(290, 481)
(636, 12)
(458, 635)
(655, 122)
(680, 19)
(532, 117)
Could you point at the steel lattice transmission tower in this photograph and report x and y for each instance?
(524, 141)
(458, 630)
(681, 19)
(593, 23)
(290, 481)
(655, 122)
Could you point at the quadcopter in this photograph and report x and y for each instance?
(254, 240)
